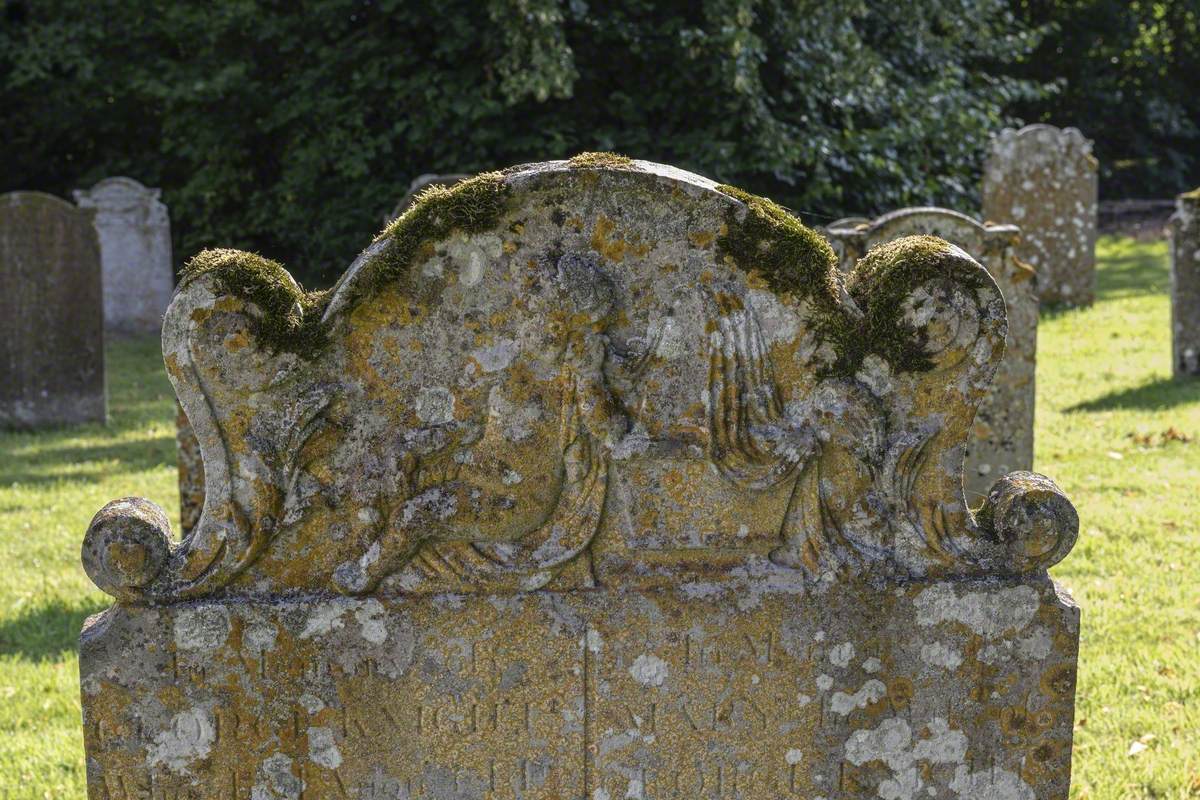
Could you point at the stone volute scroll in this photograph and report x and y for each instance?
(568, 448)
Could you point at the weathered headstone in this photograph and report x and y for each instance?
(1043, 179)
(589, 479)
(1185, 285)
(135, 253)
(421, 183)
(51, 314)
(1001, 439)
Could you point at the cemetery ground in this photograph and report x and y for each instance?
(1120, 437)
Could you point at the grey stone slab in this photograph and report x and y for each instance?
(1044, 180)
(51, 314)
(134, 231)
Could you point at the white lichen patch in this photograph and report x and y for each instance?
(201, 627)
(991, 784)
(989, 614)
(824, 683)
(322, 748)
(189, 737)
(937, 654)
(649, 670)
(497, 356)
(435, 405)
(870, 692)
(841, 655)
(892, 743)
(872, 665)
(793, 756)
(324, 619)
(372, 621)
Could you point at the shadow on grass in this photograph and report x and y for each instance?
(1159, 394)
(1131, 269)
(45, 632)
(54, 462)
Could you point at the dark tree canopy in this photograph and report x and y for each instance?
(290, 128)
(1127, 73)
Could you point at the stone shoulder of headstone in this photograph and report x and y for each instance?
(1002, 434)
(458, 414)
(589, 479)
(853, 237)
(1184, 230)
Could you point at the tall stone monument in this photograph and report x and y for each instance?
(1043, 179)
(1001, 439)
(135, 253)
(51, 314)
(1185, 285)
(589, 479)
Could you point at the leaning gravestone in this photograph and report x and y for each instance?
(1185, 285)
(589, 479)
(1043, 179)
(135, 253)
(51, 314)
(1001, 439)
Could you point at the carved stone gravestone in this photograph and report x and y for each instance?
(589, 479)
(1043, 179)
(51, 314)
(1001, 439)
(135, 253)
(1185, 285)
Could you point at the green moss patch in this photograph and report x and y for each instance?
(601, 161)
(792, 258)
(290, 318)
(883, 279)
(471, 206)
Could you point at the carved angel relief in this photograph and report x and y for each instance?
(563, 376)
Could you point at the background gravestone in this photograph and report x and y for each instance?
(1002, 434)
(1185, 285)
(418, 185)
(51, 314)
(1044, 180)
(588, 479)
(135, 253)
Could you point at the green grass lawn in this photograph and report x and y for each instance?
(1105, 401)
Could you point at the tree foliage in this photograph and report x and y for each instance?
(290, 128)
(1126, 73)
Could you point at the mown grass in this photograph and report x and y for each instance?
(1106, 411)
